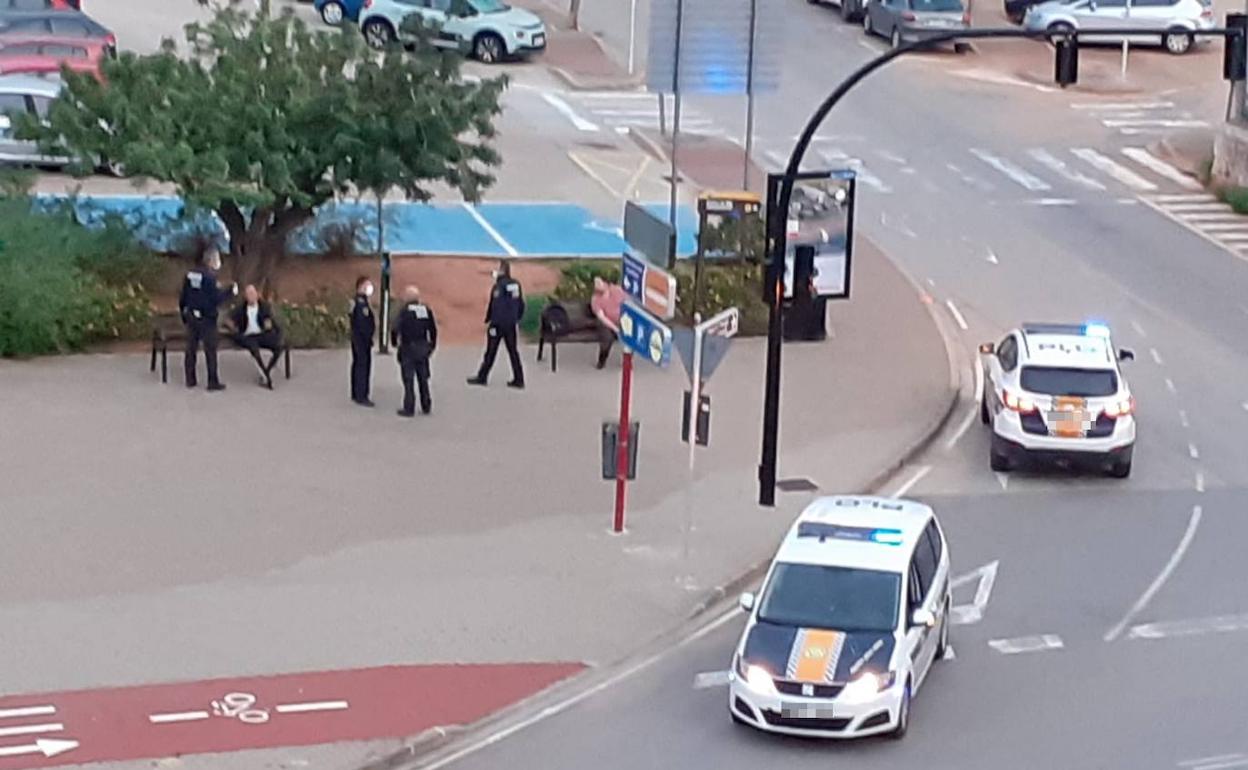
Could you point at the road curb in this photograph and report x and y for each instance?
(418, 751)
(577, 83)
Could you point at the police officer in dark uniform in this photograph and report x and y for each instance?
(363, 328)
(503, 315)
(198, 303)
(414, 337)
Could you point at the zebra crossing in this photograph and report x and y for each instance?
(621, 110)
(1207, 216)
(1140, 118)
(1042, 174)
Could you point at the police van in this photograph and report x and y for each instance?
(1055, 391)
(852, 615)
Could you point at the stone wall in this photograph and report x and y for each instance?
(1230, 156)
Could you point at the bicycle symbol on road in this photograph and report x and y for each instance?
(238, 705)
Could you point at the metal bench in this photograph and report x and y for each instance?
(167, 328)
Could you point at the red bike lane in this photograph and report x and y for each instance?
(223, 715)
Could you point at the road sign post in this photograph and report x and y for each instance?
(621, 455)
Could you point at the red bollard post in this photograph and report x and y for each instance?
(622, 447)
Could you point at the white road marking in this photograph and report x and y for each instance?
(1156, 355)
(300, 708)
(957, 314)
(835, 156)
(992, 257)
(1003, 480)
(1183, 418)
(1193, 524)
(566, 110)
(1170, 385)
(34, 711)
(1191, 450)
(1027, 644)
(562, 706)
(1056, 201)
(1197, 207)
(892, 157)
(1245, 406)
(969, 420)
(1225, 765)
(1110, 106)
(1135, 325)
(1195, 627)
(1207, 763)
(867, 45)
(950, 654)
(1046, 159)
(1162, 123)
(1233, 236)
(777, 161)
(900, 227)
(489, 228)
(1016, 174)
(49, 747)
(181, 716)
(986, 577)
(1227, 216)
(973, 181)
(709, 679)
(1200, 482)
(1181, 198)
(53, 727)
(915, 479)
(1107, 166)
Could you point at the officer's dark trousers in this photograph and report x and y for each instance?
(507, 335)
(268, 340)
(414, 370)
(361, 368)
(201, 330)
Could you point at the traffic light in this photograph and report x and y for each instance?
(1235, 48)
(1067, 66)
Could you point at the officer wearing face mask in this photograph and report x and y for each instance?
(502, 316)
(198, 303)
(363, 328)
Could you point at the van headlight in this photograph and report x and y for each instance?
(867, 686)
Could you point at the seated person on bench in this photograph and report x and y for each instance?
(255, 328)
(606, 303)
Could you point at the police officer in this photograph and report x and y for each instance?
(414, 337)
(502, 316)
(198, 304)
(363, 328)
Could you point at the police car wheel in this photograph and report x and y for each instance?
(944, 634)
(903, 715)
(1120, 470)
(997, 460)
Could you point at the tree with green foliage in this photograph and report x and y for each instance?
(263, 120)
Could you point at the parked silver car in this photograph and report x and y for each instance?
(20, 94)
(1179, 19)
(906, 21)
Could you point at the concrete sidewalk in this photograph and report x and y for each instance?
(158, 534)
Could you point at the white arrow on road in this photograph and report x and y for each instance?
(49, 747)
(984, 577)
(709, 679)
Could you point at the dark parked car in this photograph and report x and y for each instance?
(905, 21)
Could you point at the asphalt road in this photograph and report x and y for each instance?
(1140, 580)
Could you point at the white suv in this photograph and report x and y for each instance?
(489, 30)
(853, 613)
(1056, 391)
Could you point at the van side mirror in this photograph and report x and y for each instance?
(1126, 354)
(987, 348)
(922, 617)
(747, 602)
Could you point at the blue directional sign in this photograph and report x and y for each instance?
(645, 335)
(633, 277)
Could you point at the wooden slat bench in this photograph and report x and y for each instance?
(168, 329)
(565, 322)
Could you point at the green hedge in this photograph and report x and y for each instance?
(322, 320)
(724, 284)
(64, 286)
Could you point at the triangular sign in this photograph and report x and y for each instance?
(714, 348)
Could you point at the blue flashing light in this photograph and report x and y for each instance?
(1096, 330)
(887, 536)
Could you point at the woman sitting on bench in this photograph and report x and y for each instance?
(254, 328)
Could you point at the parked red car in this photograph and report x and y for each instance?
(38, 57)
(40, 5)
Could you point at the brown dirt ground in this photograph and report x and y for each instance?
(455, 287)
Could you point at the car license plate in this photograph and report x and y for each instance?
(1068, 423)
(539, 40)
(805, 711)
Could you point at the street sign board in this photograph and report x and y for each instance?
(645, 335)
(722, 325)
(725, 46)
(653, 287)
(653, 238)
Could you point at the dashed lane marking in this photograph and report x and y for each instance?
(1027, 644)
(1013, 172)
(1044, 158)
(1195, 627)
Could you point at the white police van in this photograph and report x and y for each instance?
(851, 616)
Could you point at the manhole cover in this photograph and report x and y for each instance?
(797, 485)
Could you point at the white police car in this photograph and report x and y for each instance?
(1055, 391)
(852, 614)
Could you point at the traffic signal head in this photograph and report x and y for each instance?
(1235, 48)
